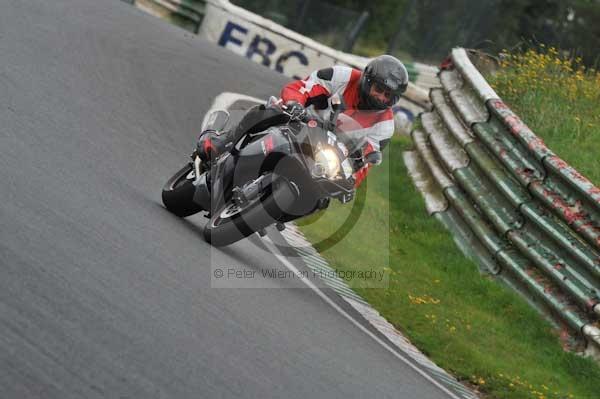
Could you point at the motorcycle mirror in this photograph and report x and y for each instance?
(216, 120)
(374, 157)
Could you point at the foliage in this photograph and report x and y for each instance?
(558, 98)
(428, 29)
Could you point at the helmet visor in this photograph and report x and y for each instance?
(384, 94)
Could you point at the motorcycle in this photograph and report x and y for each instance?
(271, 175)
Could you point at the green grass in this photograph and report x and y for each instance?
(473, 327)
(559, 100)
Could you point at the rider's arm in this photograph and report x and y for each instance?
(317, 87)
(361, 173)
(377, 140)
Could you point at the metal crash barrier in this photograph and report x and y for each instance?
(188, 14)
(512, 204)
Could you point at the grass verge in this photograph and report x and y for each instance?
(468, 324)
(558, 98)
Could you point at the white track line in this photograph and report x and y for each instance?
(272, 247)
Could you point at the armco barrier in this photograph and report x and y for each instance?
(187, 14)
(515, 206)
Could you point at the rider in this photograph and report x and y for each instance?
(368, 96)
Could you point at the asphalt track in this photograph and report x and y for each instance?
(103, 293)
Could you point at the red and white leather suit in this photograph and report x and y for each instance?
(367, 128)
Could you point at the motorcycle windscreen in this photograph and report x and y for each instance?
(216, 120)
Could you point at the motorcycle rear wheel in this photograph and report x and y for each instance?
(178, 193)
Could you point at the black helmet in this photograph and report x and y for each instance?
(386, 73)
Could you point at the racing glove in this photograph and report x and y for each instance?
(295, 108)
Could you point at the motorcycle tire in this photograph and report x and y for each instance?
(178, 193)
(231, 223)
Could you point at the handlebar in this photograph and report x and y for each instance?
(327, 125)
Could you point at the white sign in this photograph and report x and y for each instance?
(262, 44)
(283, 50)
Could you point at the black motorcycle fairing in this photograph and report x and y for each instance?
(257, 119)
(261, 155)
(238, 169)
(293, 168)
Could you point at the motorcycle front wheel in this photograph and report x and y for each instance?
(231, 223)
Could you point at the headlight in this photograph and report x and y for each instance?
(327, 163)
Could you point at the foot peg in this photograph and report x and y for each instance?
(280, 226)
